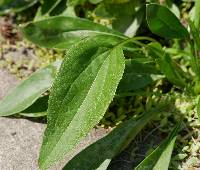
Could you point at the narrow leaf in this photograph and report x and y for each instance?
(27, 92)
(81, 93)
(111, 145)
(159, 159)
(164, 23)
(63, 31)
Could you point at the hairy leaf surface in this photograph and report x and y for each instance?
(81, 93)
(164, 23)
(111, 145)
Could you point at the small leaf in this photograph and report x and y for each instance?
(27, 92)
(159, 159)
(63, 31)
(81, 93)
(164, 23)
(111, 145)
(7, 6)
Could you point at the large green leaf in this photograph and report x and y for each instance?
(164, 23)
(7, 6)
(159, 159)
(81, 93)
(62, 31)
(137, 75)
(27, 92)
(111, 145)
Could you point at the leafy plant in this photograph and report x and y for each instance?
(100, 64)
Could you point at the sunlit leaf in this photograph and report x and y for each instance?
(81, 93)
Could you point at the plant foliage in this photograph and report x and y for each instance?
(103, 62)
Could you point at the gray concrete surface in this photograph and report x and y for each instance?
(20, 141)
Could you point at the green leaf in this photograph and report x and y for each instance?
(38, 108)
(81, 93)
(111, 145)
(164, 23)
(137, 75)
(7, 6)
(62, 31)
(159, 159)
(104, 165)
(27, 92)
